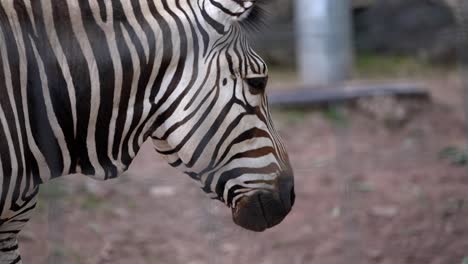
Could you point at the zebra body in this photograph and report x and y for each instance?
(84, 83)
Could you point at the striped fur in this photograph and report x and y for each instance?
(83, 83)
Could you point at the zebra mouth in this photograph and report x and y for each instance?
(259, 211)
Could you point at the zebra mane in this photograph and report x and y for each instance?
(256, 20)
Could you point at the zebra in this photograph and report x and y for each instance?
(84, 83)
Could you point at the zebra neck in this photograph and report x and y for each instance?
(88, 84)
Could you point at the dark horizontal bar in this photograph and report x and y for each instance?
(304, 97)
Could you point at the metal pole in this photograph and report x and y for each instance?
(324, 40)
(325, 58)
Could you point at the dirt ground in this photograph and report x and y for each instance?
(371, 188)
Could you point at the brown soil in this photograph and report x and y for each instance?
(367, 192)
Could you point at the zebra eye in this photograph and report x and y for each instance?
(257, 85)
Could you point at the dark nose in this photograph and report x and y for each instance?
(265, 209)
(260, 211)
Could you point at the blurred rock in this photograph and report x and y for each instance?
(385, 211)
(27, 236)
(95, 188)
(121, 212)
(229, 248)
(375, 254)
(162, 191)
(336, 212)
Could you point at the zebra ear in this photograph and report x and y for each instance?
(226, 12)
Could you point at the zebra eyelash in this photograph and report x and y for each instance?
(256, 20)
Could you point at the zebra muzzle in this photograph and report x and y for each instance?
(260, 211)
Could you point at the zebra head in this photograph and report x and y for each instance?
(220, 130)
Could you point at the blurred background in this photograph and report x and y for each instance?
(370, 97)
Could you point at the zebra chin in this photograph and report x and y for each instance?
(262, 210)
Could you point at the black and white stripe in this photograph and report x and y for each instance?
(83, 83)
